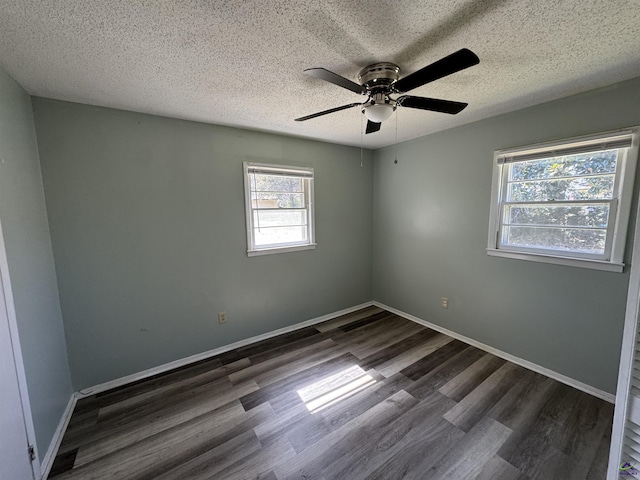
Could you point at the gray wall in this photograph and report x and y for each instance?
(33, 280)
(431, 214)
(148, 230)
(147, 223)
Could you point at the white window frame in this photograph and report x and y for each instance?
(620, 205)
(305, 172)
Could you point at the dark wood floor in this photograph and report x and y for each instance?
(367, 395)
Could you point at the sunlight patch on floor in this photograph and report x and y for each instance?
(333, 389)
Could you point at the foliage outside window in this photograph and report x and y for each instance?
(568, 200)
(279, 208)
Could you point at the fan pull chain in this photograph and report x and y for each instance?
(361, 141)
(396, 147)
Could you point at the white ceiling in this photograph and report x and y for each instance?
(240, 63)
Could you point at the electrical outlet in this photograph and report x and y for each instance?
(444, 302)
(222, 317)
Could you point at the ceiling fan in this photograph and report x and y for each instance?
(381, 80)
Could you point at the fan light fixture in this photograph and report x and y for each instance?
(378, 112)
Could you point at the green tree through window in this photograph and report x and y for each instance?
(566, 199)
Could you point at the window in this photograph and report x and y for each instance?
(565, 202)
(279, 208)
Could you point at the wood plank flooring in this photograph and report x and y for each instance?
(368, 395)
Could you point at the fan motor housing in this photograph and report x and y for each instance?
(379, 76)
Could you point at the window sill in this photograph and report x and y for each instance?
(566, 261)
(270, 251)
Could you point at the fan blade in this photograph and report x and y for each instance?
(433, 104)
(327, 76)
(453, 63)
(372, 126)
(325, 112)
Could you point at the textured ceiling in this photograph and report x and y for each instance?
(240, 63)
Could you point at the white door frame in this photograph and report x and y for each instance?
(627, 353)
(5, 281)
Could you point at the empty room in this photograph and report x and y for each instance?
(289, 239)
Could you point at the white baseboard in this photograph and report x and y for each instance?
(52, 451)
(217, 351)
(507, 356)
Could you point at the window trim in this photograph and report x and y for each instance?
(621, 204)
(307, 173)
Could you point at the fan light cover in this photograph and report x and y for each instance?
(378, 112)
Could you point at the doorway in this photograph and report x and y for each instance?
(15, 414)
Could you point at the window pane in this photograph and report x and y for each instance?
(583, 240)
(567, 166)
(594, 215)
(554, 200)
(278, 235)
(277, 183)
(277, 200)
(585, 188)
(276, 218)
